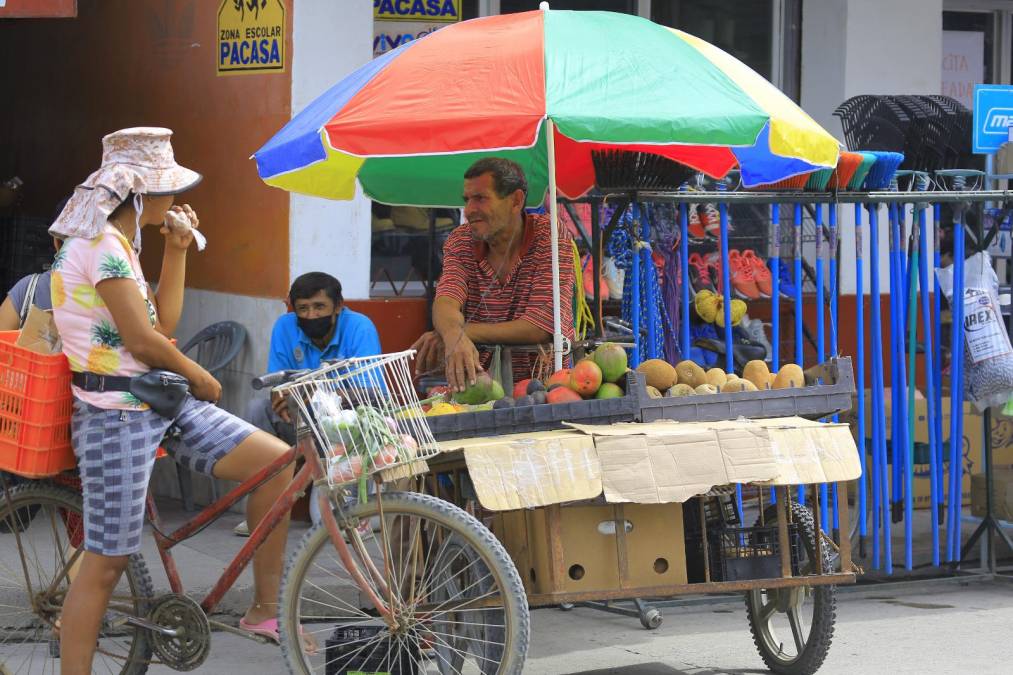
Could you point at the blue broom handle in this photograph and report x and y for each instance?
(834, 347)
(726, 283)
(650, 288)
(799, 345)
(635, 290)
(684, 273)
(930, 383)
(824, 497)
(897, 289)
(775, 298)
(860, 373)
(937, 356)
(876, 345)
(956, 392)
(775, 293)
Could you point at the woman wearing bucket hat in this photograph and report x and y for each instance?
(115, 330)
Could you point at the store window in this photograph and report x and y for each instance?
(624, 6)
(740, 27)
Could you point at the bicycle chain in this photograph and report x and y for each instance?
(191, 647)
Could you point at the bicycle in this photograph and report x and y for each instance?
(401, 582)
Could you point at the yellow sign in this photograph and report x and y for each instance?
(251, 36)
(429, 11)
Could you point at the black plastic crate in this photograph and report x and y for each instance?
(813, 401)
(742, 553)
(345, 641)
(543, 417)
(720, 511)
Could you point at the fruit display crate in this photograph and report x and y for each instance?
(541, 417)
(828, 391)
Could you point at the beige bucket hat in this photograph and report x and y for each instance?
(138, 160)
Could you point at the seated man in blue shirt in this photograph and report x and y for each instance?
(320, 328)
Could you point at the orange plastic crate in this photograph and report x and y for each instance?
(35, 410)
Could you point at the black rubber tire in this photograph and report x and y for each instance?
(824, 603)
(37, 497)
(456, 520)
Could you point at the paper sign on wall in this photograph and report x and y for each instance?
(251, 37)
(963, 64)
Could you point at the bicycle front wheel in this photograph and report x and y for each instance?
(48, 523)
(455, 598)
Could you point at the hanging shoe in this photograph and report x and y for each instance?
(785, 276)
(699, 274)
(713, 262)
(754, 331)
(743, 282)
(711, 219)
(761, 275)
(696, 230)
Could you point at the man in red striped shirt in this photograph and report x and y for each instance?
(496, 286)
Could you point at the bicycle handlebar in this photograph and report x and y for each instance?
(271, 380)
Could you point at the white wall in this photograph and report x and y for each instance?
(330, 39)
(852, 47)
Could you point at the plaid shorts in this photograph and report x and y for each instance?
(115, 452)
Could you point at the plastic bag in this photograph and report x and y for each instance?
(988, 355)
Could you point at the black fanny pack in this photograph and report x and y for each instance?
(164, 390)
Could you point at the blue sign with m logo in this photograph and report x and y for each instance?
(993, 116)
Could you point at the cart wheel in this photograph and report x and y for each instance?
(651, 619)
(793, 627)
(566, 606)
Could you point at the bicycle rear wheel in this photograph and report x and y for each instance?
(31, 603)
(455, 595)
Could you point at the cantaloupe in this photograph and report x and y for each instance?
(790, 375)
(706, 389)
(653, 392)
(680, 389)
(756, 371)
(738, 385)
(690, 373)
(716, 376)
(659, 373)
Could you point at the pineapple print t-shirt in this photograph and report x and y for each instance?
(91, 341)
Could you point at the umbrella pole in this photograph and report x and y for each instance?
(557, 323)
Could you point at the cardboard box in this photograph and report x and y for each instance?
(595, 547)
(1002, 494)
(1002, 443)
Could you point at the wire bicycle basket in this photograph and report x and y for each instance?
(365, 418)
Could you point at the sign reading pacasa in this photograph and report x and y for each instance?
(430, 11)
(251, 36)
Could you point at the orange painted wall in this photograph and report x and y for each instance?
(67, 82)
(399, 321)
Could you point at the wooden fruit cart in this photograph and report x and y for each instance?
(553, 498)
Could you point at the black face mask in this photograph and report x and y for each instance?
(317, 328)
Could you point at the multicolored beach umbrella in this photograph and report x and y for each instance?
(408, 124)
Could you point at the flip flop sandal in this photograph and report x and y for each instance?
(269, 629)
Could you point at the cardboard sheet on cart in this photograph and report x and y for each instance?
(671, 461)
(654, 463)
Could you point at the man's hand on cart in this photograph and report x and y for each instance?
(429, 353)
(462, 361)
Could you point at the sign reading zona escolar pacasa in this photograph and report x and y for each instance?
(251, 37)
